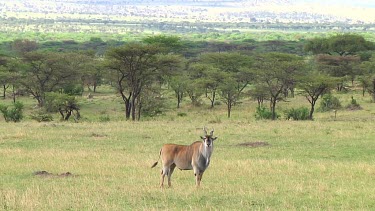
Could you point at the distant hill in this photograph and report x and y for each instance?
(270, 11)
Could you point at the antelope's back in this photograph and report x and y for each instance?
(181, 155)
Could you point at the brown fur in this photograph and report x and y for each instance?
(185, 157)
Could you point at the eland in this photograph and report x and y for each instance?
(194, 157)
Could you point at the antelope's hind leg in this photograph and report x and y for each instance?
(171, 169)
(167, 171)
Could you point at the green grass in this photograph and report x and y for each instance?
(326, 164)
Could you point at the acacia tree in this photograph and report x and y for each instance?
(340, 67)
(166, 43)
(179, 84)
(9, 75)
(368, 79)
(194, 87)
(48, 72)
(213, 78)
(233, 73)
(91, 74)
(133, 66)
(22, 46)
(338, 55)
(274, 72)
(4, 75)
(313, 85)
(342, 45)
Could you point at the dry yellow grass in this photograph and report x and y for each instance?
(305, 165)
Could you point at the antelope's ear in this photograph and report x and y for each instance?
(213, 139)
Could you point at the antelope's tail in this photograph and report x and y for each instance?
(156, 163)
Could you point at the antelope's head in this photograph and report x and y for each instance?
(208, 139)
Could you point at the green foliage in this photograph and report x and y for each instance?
(169, 43)
(329, 102)
(42, 116)
(64, 104)
(297, 114)
(264, 113)
(342, 44)
(181, 114)
(14, 114)
(73, 89)
(104, 118)
(353, 105)
(152, 102)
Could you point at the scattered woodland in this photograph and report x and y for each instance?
(142, 72)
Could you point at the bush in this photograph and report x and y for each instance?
(297, 114)
(42, 116)
(64, 104)
(264, 113)
(72, 89)
(14, 114)
(181, 114)
(353, 105)
(104, 118)
(329, 102)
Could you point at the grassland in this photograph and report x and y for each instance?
(326, 164)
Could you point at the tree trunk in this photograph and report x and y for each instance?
(213, 99)
(363, 90)
(273, 108)
(14, 94)
(312, 109)
(4, 90)
(134, 108)
(139, 111)
(95, 85)
(40, 101)
(68, 114)
(179, 98)
(229, 103)
(127, 109)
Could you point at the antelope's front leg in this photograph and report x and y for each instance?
(198, 179)
(198, 176)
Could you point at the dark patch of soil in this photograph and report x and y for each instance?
(47, 174)
(66, 174)
(42, 173)
(254, 144)
(97, 135)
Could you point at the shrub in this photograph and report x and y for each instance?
(353, 105)
(13, 114)
(152, 102)
(64, 104)
(104, 118)
(264, 113)
(72, 89)
(42, 116)
(217, 119)
(329, 102)
(297, 114)
(181, 114)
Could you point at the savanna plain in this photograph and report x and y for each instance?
(325, 164)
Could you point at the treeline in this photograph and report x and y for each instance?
(182, 28)
(140, 71)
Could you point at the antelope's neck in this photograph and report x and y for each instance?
(207, 152)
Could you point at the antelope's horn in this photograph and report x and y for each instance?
(205, 131)
(212, 132)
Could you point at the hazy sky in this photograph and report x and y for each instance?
(359, 3)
